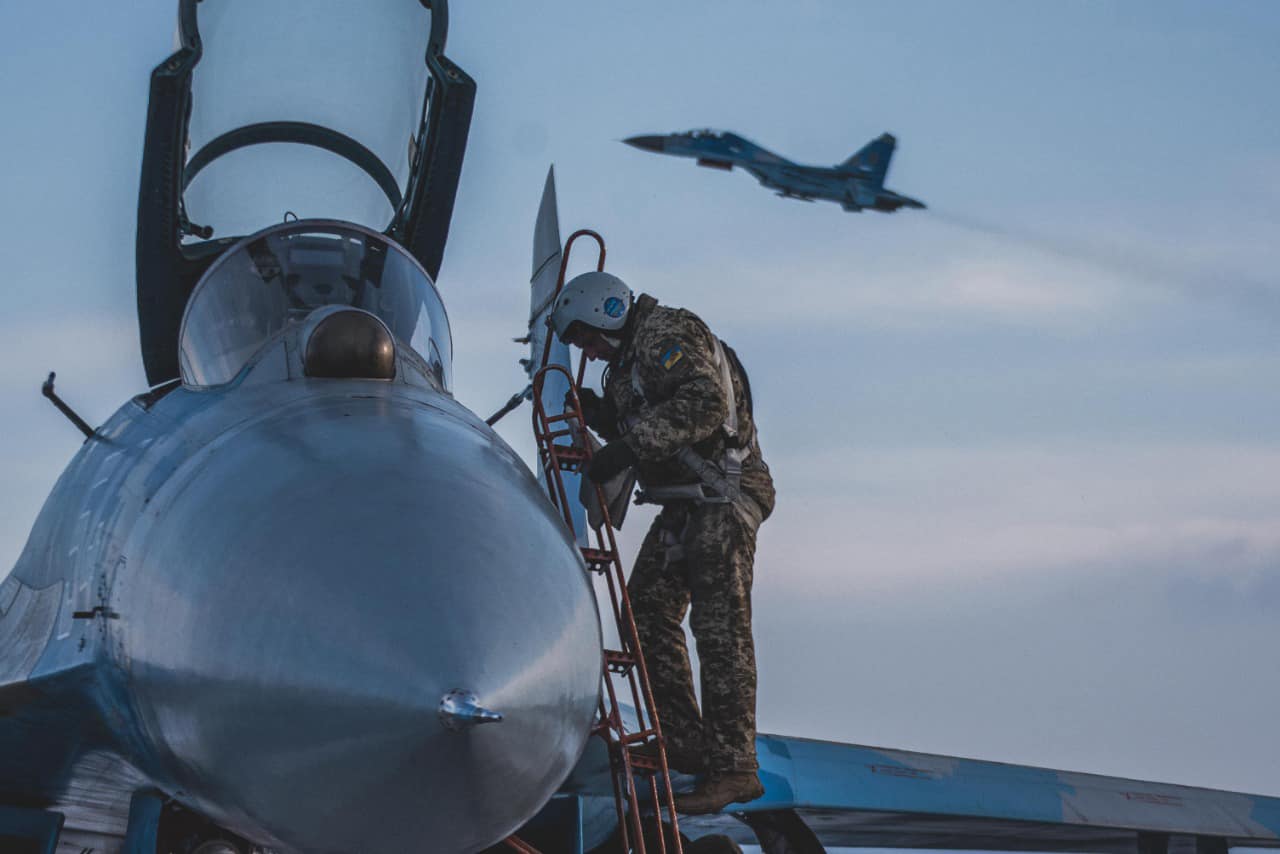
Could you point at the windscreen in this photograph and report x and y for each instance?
(279, 276)
(356, 68)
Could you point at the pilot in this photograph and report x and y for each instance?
(677, 407)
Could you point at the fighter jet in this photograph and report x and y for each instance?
(294, 597)
(857, 183)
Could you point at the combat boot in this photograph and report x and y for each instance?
(679, 759)
(719, 790)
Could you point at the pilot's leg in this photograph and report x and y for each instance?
(659, 592)
(720, 546)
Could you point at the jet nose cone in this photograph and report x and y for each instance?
(647, 143)
(366, 631)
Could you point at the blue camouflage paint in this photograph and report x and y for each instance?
(848, 785)
(828, 775)
(857, 184)
(809, 774)
(1266, 812)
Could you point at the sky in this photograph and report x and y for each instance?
(1026, 442)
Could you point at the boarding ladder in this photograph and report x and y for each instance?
(641, 783)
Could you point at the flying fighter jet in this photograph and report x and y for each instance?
(294, 596)
(857, 183)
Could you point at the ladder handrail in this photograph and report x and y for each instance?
(564, 265)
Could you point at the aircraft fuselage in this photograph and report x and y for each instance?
(255, 599)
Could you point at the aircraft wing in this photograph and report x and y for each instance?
(824, 794)
(59, 769)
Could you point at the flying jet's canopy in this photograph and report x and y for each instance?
(279, 276)
(312, 108)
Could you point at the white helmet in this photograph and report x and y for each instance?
(598, 300)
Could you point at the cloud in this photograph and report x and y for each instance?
(883, 280)
(891, 519)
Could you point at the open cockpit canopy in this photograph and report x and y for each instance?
(279, 109)
(312, 109)
(279, 276)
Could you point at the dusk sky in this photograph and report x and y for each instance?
(1026, 442)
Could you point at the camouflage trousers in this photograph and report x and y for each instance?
(699, 558)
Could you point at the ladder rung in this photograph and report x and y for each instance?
(598, 560)
(644, 763)
(618, 661)
(566, 452)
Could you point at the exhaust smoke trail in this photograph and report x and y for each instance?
(1248, 294)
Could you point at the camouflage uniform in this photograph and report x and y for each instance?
(697, 555)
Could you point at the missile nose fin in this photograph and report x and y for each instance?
(460, 710)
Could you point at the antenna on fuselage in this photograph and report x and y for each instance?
(72, 416)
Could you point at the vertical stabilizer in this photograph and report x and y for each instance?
(871, 162)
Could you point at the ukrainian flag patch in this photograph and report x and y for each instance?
(671, 355)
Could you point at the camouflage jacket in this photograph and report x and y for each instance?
(670, 354)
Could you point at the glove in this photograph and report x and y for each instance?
(610, 461)
(597, 412)
(590, 404)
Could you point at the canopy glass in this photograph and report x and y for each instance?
(322, 100)
(279, 276)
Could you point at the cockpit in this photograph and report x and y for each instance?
(293, 276)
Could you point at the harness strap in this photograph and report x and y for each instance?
(720, 484)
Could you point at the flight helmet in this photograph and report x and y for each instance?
(600, 301)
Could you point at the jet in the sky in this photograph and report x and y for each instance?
(857, 183)
(294, 597)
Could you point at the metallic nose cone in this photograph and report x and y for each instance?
(319, 581)
(647, 143)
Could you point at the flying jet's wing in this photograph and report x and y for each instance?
(820, 793)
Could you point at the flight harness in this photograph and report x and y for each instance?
(718, 483)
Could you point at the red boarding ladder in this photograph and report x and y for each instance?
(624, 669)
